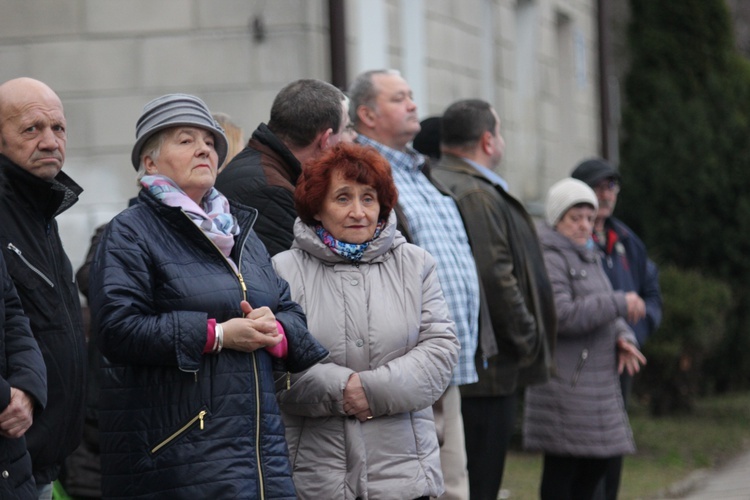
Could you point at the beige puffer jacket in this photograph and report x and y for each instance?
(386, 319)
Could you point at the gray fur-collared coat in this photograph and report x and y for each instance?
(580, 411)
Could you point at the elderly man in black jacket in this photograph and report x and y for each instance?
(32, 152)
(511, 268)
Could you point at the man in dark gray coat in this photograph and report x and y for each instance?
(511, 268)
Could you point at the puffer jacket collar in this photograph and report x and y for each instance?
(264, 136)
(177, 218)
(306, 239)
(552, 240)
(49, 198)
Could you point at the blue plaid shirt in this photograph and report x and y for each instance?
(436, 225)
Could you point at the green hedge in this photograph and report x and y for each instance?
(693, 327)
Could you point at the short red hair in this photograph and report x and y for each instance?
(362, 164)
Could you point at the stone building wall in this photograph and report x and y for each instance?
(535, 60)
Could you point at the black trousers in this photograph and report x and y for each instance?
(610, 486)
(571, 478)
(488, 428)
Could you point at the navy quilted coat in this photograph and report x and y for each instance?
(177, 423)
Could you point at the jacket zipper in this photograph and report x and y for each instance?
(579, 366)
(261, 486)
(180, 431)
(238, 273)
(15, 250)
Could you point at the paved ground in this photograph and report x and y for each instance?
(731, 482)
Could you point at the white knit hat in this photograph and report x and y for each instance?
(564, 194)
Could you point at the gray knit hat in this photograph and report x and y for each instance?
(173, 110)
(563, 195)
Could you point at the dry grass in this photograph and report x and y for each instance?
(669, 449)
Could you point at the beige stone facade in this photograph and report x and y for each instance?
(535, 60)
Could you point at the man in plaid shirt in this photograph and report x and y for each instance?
(385, 117)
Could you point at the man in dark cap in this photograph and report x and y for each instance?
(627, 265)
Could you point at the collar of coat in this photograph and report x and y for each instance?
(50, 198)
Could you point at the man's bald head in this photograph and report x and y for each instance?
(32, 127)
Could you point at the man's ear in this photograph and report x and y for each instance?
(486, 143)
(366, 115)
(324, 140)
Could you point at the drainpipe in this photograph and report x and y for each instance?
(336, 19)
(604, 89)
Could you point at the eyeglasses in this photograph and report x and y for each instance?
(608, 185)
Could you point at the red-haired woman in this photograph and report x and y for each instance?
(360, 424)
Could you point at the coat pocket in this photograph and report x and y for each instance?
(197, 420)
(579, 367)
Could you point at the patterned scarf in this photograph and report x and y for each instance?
(350, 251)
(213, 217)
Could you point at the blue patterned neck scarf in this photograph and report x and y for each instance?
(350, 251)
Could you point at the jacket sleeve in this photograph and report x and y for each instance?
(625, 332)
(82, 275)
(26, 368)
(122, 305)
(651, 294)
(419, 377)
(316, 392)
(514, 325)
(580, 314)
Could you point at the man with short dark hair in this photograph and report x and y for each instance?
(307, 116)
(628, 268)
(518, 292)
(33, 137)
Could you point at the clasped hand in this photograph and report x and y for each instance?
(355, 399)
(256, 330)
(636, 307)
(17, 417)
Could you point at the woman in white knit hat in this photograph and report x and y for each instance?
(578, 418)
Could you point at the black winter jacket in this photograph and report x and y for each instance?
(44, 280)
(263, 176)
(177, 423)
(22, 367)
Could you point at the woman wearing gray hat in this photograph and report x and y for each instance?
(578, 418)
(191, 317)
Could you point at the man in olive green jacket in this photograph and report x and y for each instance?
(511, 268)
